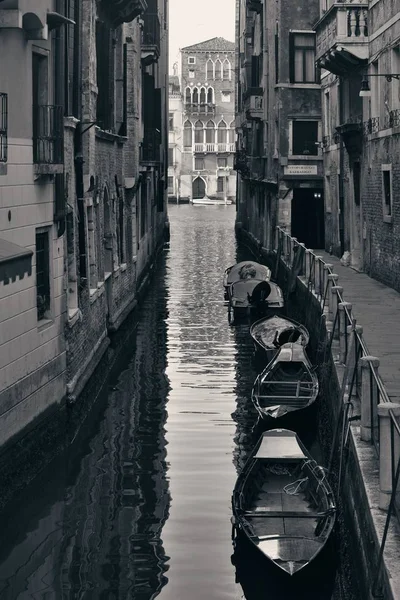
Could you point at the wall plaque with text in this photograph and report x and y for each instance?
(300, 170)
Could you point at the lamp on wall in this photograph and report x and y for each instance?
(365, 90)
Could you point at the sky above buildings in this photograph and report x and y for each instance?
(192, 22)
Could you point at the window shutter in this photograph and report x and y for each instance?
(291, 57)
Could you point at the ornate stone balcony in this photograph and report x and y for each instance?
(123, 11)
(342, 37)
(253, 106)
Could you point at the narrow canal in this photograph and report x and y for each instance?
(139, 506)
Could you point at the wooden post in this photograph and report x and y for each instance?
(337, 291)
(344, 308)
(352, 333)
(308, 265)
(333, 280)
(325, 280)
(386, 468)
(366, 362)
(318, 275)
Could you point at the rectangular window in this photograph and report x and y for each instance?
(170, 184)
(42, 275)
(191, 74)
(170, 157)
(225, 96)
(192, 60)
(3, 127)
(387, 193)
(302, 57)
(220, 184)
(105, 95)
(199, 164)
(171, 121)
(222, 163)
(305, 138)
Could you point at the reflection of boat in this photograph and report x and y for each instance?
(247, 269)
(288, 383)
(270, 333)
(283, 503)
(254, 297)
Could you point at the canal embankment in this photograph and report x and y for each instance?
(353, 321)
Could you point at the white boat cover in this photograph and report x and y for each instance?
(280, 444)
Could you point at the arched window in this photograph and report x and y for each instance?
(210, 132)
(222, 132)
(210, 95)
(226, 69)
(202, 95)
(195, 96)
(198, 132)
(209, 70)
(218, 69)
(188, 96)
(187, 134)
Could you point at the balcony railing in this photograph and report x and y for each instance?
(342, 30)
(151, 34)
(3, 127)
(254, 107)
(48, 134)
(226, 147)
(151, 145)
(204, 108)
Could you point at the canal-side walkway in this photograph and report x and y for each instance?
(376, 308)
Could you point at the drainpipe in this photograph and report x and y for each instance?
(78, 153)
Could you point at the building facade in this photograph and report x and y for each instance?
(174, 138)
(279, 155)
(207, 82)
(358, 45)
(83, 188)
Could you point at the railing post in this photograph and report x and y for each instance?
(352, 334)
(317, 275)
(333, 280)
(366, 363)
(337, 291)
(308, 265)
(326, 273)
(342, 306)
(303, 264)
(386, 452)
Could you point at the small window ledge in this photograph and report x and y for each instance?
(107, 275)
(44, 324)
(74, 315)
(123, 267)
(116, 272)
(387, 219)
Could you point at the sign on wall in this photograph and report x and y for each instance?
(300, 170)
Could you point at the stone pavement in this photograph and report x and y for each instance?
(376, 308)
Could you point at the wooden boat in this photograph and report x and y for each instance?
(247, 269)
(288, 383)
(270, 333)
(283, 502)
(254, 297)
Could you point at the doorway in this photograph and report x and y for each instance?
(308, 217)
(198, 188)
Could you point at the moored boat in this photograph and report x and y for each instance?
(247, 269)
(255, 298)
(270, 333)
(283, 503)
(287, 384)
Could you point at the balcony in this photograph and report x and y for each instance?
(253, 107)
(48, 139)
(3, 128)
(342, 37)
(150, 150)
(150, 38)
(206, 108)
(351, 131)
(122, 11)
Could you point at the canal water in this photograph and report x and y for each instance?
(139, 506)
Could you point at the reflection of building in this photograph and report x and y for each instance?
(207, 86)
(358, 43)
(279, 158)
(174, 137)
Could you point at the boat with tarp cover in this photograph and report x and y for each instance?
(283, 503)
(254, 298)
(287, 384)
(270, 333)
(247, 269)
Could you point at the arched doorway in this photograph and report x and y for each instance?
(198, 188)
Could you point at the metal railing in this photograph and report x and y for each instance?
(379, 416)
(48, 134)
(3, 127)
